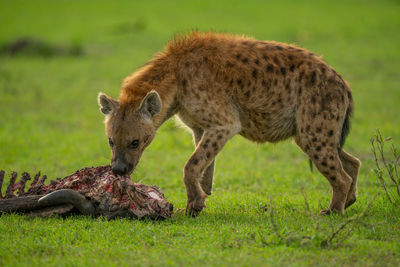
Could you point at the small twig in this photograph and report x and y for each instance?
(395, 164)
(306, 201)
(379, 171)
(381, 142)
(274, 226)
(356, 217)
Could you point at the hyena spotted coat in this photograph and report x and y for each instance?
(221, 85)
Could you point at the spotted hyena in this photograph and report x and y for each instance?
(221, 85)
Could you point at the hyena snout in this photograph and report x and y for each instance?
(121, 167)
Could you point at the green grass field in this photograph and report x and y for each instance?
(258, 212)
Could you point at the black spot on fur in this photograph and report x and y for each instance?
(330, 133)
(270, 68)
(308, 128)
(247, 94)
(278, 47)
(283, 71)
(229, 64)
(287, 87)
(239, 82)
(323, 163)
(257, 62)
(332, 168)
(219, 137)
(300, 90)
(205, 146)
(265, 57)
(313, 77)
(290, 57)
(313, 100)
(333, 178)
(316, 157)
(208, 154)
(187, 64)
(194, 161)
(331, 157)
(314, 139)
(292, 68)
(215, 147)
(254, 73)
(319, 129)
(184, 82)
(245, 60)
(264, 83)
(238, 56)
(318, 148)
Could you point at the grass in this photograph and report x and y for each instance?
(50, 122)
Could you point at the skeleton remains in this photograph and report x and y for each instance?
(89, 191)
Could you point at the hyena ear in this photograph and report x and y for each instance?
(151, 105)
(107, 104)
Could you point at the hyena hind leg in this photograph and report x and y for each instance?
(325, 156)
(351, 165)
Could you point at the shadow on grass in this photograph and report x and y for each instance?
(29, 46)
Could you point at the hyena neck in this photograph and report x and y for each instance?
(157, 75)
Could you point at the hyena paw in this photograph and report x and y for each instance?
(351, 200)
(194, 207)
(330, 211)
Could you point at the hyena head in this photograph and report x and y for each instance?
(129, 129)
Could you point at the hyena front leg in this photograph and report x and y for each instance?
(208, 175)
(210, 144)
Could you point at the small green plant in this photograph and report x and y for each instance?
(387, 165)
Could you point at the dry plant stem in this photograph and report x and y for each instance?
(390, 166)
(274, 226)
(381, 143)
(356, 217)
(395, 164)
(379, 170)
(306, 201)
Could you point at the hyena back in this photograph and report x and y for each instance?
(221, 85)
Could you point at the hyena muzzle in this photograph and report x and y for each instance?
(221, 85)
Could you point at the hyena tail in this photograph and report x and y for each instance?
(345, 127)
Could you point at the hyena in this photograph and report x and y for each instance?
(221, 85)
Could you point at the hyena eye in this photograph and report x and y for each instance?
(110, 142)
(134, 144)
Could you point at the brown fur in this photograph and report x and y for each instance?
(221, 85)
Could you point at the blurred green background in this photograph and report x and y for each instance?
(50, 119)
